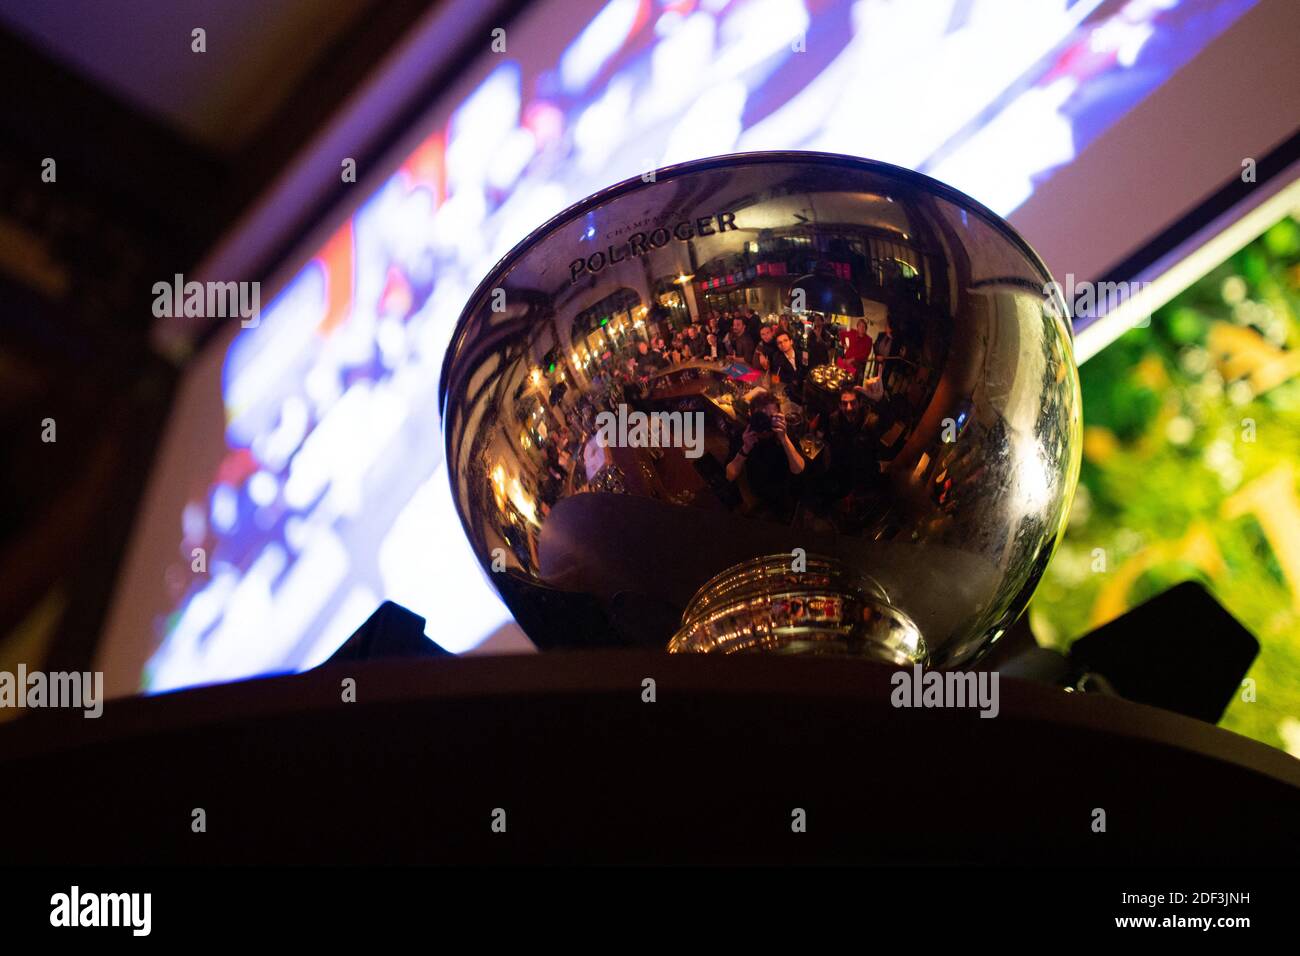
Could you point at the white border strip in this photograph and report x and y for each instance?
(1192, 260)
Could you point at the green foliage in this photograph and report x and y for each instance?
(1183, 449)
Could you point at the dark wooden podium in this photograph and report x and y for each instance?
(586, 771)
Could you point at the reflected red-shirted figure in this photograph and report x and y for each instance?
(857, 347)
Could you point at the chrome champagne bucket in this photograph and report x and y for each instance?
(887, 480)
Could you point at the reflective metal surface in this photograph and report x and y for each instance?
(894, 496)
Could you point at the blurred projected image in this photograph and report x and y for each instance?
(1191, 470)
(332, 497)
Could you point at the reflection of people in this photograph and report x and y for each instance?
(884, 342)
(883, 349)
(711, 349)
(787, 363)
(769, 381)
(819, 352)
(647, 361)
(852, 460)
(766, 343)
(766, 457)
(738, 342)
(660, 350)
(857, 346)
(766, 381)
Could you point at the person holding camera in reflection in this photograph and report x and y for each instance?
(766, 460)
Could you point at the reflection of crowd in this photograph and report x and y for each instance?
(782, 345)
(794, 449)
(862, 354)
(822, 467)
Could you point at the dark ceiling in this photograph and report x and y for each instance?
(140, 51)
(158, 151)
